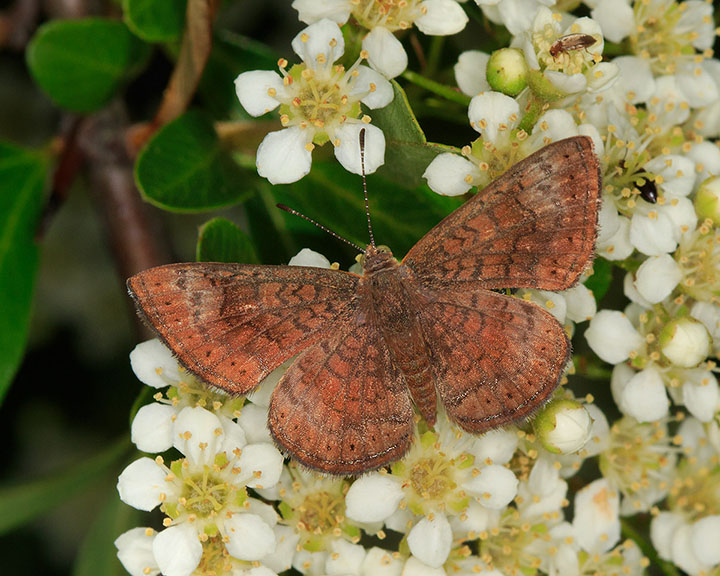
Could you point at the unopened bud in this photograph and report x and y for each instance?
(507, 71)
(563, 426)
(685, 342)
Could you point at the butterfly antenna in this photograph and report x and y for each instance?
(325, 228)
(362, 169)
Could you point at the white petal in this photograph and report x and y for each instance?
(652, 233)
(441, 18)
(702, 398)
(495, 486)
(135, 552)
(260, 465)
(580, 303)
(142, 484)
(254, 91)
(262, 394)
(310, 11)
(286, 541)
(249, 537)
(320, 43)
(645, 397)
(615, 18)
(307, 257)
(470, 72)
(253, 419)
(705, 535)
(282, 156)
(198, 434)
(152, 427)
(475, 518)
(450, 175)
(683, 553)
(382, 93)
(498, 445)
(491, 112)
(597, 520)
(344, 559)
(567, 83)
(348, 151)
(608, 220)
(154, 364)
(636, 82)
(544, 491)
(662, 529)
(706, 156)
(414, 567)
(373, 498)
(177, 550)
(618, 246)
(678, 173)
(697, 85)
(518, 15)
(600, 434)
(385, 52)
(380, 562)
(669, 101)
(657, 277)
(233, 436)
(602, 77)
(430, 540)
(612, 336)
(632, 293)
(553, 125)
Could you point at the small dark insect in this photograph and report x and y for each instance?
(571, 42)
(648, 190)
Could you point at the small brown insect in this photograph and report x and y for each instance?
(571, 42)
(412, 332)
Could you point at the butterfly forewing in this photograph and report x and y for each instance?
(343, 407)
(495, 358)
(534, 227)
(232, 324)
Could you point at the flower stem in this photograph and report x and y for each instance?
(436, 88)
(629, 531)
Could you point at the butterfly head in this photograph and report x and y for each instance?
(376, 259)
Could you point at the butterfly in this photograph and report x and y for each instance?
(432, 327)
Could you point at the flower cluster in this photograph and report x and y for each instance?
(499, 503)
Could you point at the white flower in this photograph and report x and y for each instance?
(385, 52)
(177, 550)
(470, 72)
(544, 492)
(612, 336)
(320, 102)
(580, 303)
(597, 520)
(685, 342)
(373, 497)
(135, 552)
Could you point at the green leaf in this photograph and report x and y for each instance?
(185, 169)
(407, 151)
(222, 241)
(21, 504)
(22, 183)
(81, 64)
(334, 197)
(97, 554)
(231, 55)
(600, 281)
(155, 21)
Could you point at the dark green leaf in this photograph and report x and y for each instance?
(22, 181)
(155, 21)
(97, 554)
(184, 168)
(81, 64)
(599, 282)
(231, 55)
(407, 152)
(222, 241)
(333, 197)
(21, 504)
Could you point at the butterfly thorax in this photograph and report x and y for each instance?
(389, 292)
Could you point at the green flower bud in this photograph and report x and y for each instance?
(507, 71)
(707, 203)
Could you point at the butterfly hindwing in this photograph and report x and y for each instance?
(343, 407)
(495, 358)
(232, 324)
(533, 227)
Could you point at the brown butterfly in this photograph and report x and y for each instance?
(370, 346)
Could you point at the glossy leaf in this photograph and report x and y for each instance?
(22, 181)
(184, 168)
(81, 64)
(155, 21)
(222, 241)
(407, 151)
